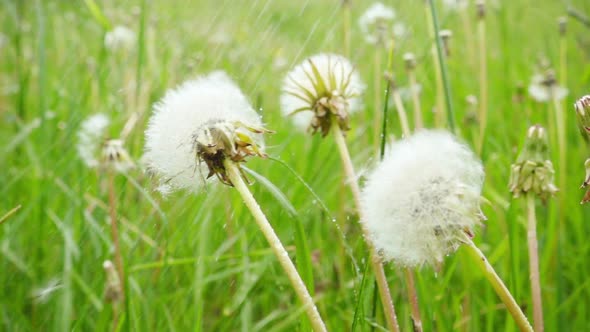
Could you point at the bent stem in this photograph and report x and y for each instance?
(277, 247)
(503, 292)
(534, 264)
(376, 264)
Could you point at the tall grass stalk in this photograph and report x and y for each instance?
(377, 266)
(277, 247)
(377, 77)
(346, 8)
(401, 111)
(417, 108)
(560, 120)
(443, 68)
(534, 263)
(483, 75)
(116, 243)
(433, 33)
(482, 263)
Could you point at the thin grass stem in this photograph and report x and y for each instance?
(439, 106)
(377, 266)
(482, 262)
(483, 83)
(534, 264)
(277, 247)
(116, 243)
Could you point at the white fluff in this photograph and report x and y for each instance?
(377, 22)
(90, 136)
(169, 149)
(455, 5)
(421, 197)
(328, 65)
(120, 37)
(542, 93)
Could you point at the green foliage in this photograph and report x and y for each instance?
(198, 261)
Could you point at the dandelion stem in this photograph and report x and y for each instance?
(377, 95)
(377, 266)
(413, 298)
(483, 82)
(443, 68)
(498, 285)
(561, 141)
(401, 111)
(439, 107)
(534, 264)
(116, 242)
(277, 247)
(418, 120)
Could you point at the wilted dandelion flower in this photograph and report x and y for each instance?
(120, 37)
(423, 198)
(90, 138)
(196, 126)
(322, 89)
(378, 24)
(582, 107)
(544, 87)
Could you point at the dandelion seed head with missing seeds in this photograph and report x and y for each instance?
(378, 23)
(422, 198)
(323, 88)
(120, 37)
(90, 137)
(207, 116)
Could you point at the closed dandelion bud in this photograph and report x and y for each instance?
(533, 171)
(582, 107)
(198, 125)
(112, 291)
(423, 198)
(480, 6)
(445, 36)
(562, 23)
(322, 89)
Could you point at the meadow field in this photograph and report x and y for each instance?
(197, 261)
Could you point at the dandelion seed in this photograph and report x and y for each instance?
(196, 126)
(322, 89)
(90, 137)
(42, 294)
(378, 25)
(120, 37)
(423, 198)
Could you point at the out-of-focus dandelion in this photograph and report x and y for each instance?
(544, 87)
(90, 136)
(455, 5)
(208, 125)
(114, 155)
(120, 37)
(378, 25)
(324, 88)
(423, 201)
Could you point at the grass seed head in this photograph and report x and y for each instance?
(422, 198)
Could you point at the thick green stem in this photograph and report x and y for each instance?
(503, 292)
(534, 264)
(275, 243)
(377, 266)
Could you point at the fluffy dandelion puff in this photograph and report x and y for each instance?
(323, 88)
(422, 198)
(543, 88)
(377, 24)
(195, 126)
(120, 37)
(114, 155)
(90, 137)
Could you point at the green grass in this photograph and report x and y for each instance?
(198, 262)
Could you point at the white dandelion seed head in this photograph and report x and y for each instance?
(336, 72)
(120, 37)
(455, 5)
(90, 137)
(377, 24)
(116, 156)
(542, 92)
(422, 197)
(406, 92)
(180, 116)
